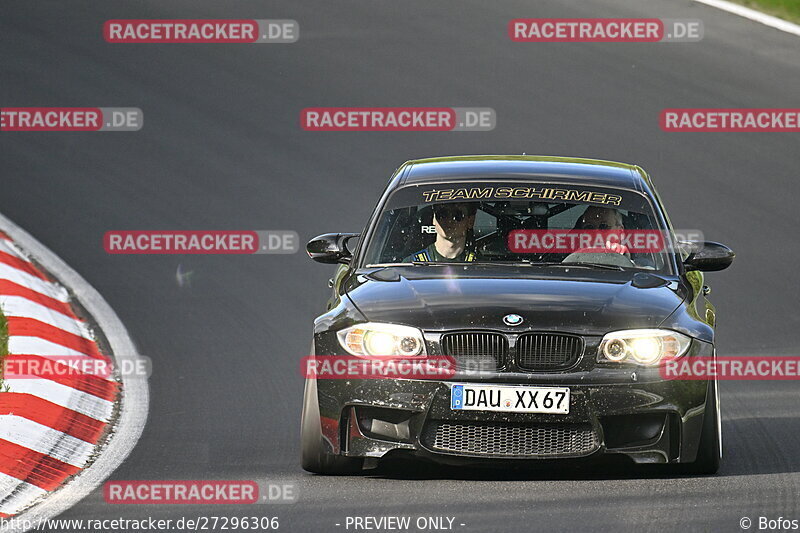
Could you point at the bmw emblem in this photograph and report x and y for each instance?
(512, 320)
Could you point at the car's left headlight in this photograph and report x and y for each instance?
(642, 346)
(375, 339)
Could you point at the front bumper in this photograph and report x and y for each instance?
(631, 411)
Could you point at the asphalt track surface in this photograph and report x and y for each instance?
(222, 149)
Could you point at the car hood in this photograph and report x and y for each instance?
(581, 306)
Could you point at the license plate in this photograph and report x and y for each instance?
(509, 399)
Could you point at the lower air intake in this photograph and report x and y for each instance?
(498, 439)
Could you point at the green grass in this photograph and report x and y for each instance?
(3, 348)
(787, 9)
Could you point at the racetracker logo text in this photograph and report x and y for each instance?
(531, 241)
(202, 242)
(71, 119)
(731, 120)
(204, 492)
(201, 31)
(74, 367)
(377, 367)
(605, 30)
(732, 368)
(398, 119)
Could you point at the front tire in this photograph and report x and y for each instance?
(315, 456)
(709, 454)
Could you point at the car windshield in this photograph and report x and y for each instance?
(535, 224)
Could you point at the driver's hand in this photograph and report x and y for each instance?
(619, 248)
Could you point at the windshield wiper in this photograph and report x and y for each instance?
(501, 263)
(581, 264)
(602, 266)
(474, 263)
(445, 263)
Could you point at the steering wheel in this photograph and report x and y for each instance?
(584, 255)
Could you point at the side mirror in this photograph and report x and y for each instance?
(708, 256)
(331, 248)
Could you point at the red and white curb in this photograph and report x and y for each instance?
(754, 15)
(58, 429)
(48, 427)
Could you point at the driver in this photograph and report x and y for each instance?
(603, 218)
(596, 217)
(452, 223)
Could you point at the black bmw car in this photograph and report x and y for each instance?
(559, 290)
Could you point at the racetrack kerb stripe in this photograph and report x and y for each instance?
(33, 467)
(52, 415)
(30, 327)
(46, 441)
(3, 346)
(21, 264)
(9, 288)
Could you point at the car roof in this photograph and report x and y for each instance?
(484, 168)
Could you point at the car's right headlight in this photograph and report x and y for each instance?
(376, 339)
(642, 346)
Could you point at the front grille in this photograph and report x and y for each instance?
(547, 351)
(476, 350)
(517, 440)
